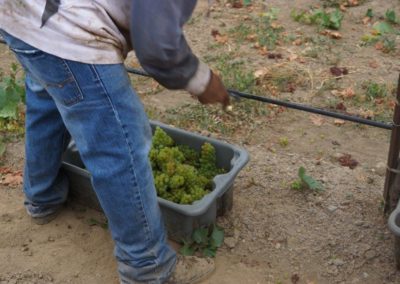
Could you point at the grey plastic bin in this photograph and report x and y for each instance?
(180, 220)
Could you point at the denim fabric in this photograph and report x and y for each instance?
(97, 106)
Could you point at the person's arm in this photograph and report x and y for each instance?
(162, 50)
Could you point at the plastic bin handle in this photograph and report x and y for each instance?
(392, 221)
(239, 160)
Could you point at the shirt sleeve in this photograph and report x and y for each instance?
(161, 47)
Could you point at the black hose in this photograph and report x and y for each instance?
(237, 94)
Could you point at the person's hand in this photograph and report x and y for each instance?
(215, 93)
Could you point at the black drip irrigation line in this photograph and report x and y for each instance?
(238, 95)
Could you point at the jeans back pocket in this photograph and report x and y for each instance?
(50, 71)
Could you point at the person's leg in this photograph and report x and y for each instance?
(45, 187)
(108, 123)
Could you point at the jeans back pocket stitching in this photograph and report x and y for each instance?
(73, 80)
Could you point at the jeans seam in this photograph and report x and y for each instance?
(80, 94)
(131, 153)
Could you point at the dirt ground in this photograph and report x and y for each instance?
(273, 234)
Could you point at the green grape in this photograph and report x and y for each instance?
(181, 174)
(161, 139)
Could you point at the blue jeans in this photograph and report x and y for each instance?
(97, 106)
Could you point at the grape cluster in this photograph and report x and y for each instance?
(181, 174)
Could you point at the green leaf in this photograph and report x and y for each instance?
(217, 237)
(335, 20)
(391, 16)
(210, 252)
(94, 222)
(186, 250)
(309, 181)
(383, 28)
(200, 236)
(9, 110)
(2, 148)
(370, 13)
(247, 2)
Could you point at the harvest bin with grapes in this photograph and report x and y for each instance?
(194, 178)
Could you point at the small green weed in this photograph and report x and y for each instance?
(375, 90)
(2, 147)
(95, 222)
(391, 17)
(384, 32)
(263, 30)
(12, 93)
(204, 240)
(338, 3)
(283, 141)
(306, 182)
(319, 17)
(12, 96)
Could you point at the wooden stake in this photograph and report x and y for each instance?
(392, 191)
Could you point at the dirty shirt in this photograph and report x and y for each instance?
(100, 32)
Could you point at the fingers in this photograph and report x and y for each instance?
(215, 92)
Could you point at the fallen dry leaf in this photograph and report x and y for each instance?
(218, 37)
(12, 179)
(352, 3)
(251, 37)
(298, 41)
(366, 20)
(373, 64)
(221, 38)
(317, 119)
(379, 45)
(215, 32)
(295, 278)
(339, 71)
(275, 55)
(263, 50)
(293, 57)
(347, 161)
(344, 94)
(343, 8)
(237, 4)
(391, 104)
(275, 25)
(367, 114)
(260, 73)
(332, 34)
(5, 170)
(339, 122)
(341, 106)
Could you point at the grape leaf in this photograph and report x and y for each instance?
(391, 16)
(309, 181)
(370, 13)
(209, 252)
(383, 28)
(200, 235)
(186, 250)
(217, 237)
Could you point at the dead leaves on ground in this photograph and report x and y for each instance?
(332, 34)
(347, 93)
(8, 177)
(339, 71)
(347, 161)
(317, 120)
(222, 39)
